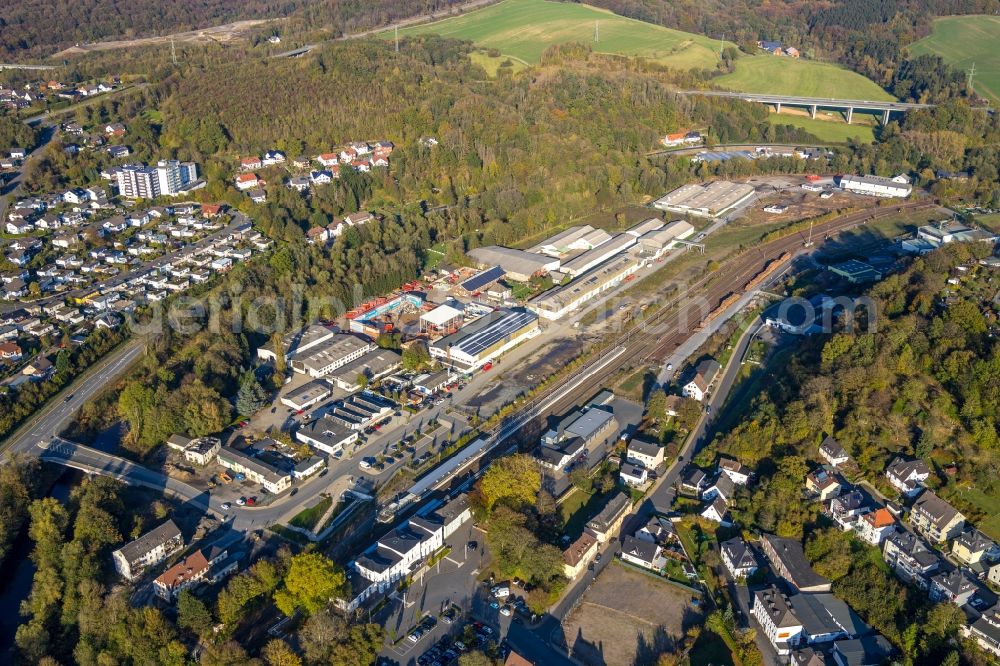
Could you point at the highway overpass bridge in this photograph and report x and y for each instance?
(848, 106)
(86, 459)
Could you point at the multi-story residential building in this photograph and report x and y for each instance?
(137, 181)
(952, 586)
(643, 453)
(876, 526)
(910, 558)
(804, 619)
(936, 519)
(789, 561)
(397, 554)
(167, 178)
(605, 525)
(738, 558)
(151, 548)
(175, 176)
(973, 548)
(986, 631)
(183, 575)
(579, 555)
(845, 510)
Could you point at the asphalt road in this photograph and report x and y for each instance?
(661, 499)
(52, 419)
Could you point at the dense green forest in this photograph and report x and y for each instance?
(14, 133)
(38, 28)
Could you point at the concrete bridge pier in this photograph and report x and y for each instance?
(885, 117)
(850, 114)
(812, 111)
(777, 107)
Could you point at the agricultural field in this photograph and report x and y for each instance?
(523, 29)
(833, 130)
(963, 40)
(780, 75)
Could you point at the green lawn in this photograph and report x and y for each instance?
(829, 131)
(779, 75)
(963, 40)
(523, 29)
(991, 222)
(579, 508)
(492, 64)
(989, 505)
(307, 518)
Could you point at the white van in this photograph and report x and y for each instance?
(501, 592)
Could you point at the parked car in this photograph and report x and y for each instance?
(505, 611)
(226, 506)
(241, 501)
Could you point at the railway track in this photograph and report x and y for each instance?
(658, 335)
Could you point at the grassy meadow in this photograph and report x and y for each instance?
(523, 29)
(829, 131)
(964, 40)
(781, 75)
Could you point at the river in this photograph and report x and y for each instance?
(18, 571)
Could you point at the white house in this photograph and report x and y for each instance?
(736, 471)
(907, 476)
(716, 511)
(876, 526)
(634, 475)
(646, 454)
(704, 374)
(643, 554)
(247, 181)
(833, 452)
(738, 558)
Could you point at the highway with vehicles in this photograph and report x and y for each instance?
(58, 413)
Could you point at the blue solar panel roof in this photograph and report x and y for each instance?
(480, 280)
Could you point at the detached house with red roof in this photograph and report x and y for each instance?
(10, 352)
(328, 159)
(250, 163)
(876, 526)
(247, 181)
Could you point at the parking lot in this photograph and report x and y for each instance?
(451, 581)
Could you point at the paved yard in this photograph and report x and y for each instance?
(627, 618)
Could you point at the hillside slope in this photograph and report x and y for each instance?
(523, 29)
